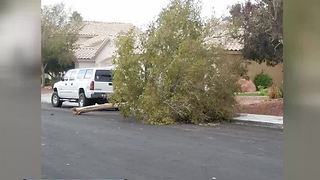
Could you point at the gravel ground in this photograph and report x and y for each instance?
(260, 105)
(46, 90)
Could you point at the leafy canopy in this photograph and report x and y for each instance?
(168, 74)
(59, 30)
(259, 26)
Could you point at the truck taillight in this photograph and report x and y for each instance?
(92, 85)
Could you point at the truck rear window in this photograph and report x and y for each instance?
(103, 76)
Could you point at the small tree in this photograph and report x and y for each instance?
(59, 31)
(259, 26)
(169, 74)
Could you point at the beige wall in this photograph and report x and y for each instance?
(275, 72)
(106, 62)
(105, 55)
(84, 64)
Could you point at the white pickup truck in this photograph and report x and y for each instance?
(86, 86)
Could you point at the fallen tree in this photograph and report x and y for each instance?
(172, 74)
(97, 107)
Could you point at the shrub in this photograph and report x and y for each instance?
(174, 77)
(54, 80)
(263, 80)
(275, 92)
(47, 82)
(280, 93)
(263, 91)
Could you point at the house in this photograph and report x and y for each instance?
(96, 43)
(233, 48)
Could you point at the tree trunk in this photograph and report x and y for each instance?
(80, 110)
(43, 78)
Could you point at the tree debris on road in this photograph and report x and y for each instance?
(106, 106)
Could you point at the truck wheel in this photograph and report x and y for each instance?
(83, 101)
(55, 100)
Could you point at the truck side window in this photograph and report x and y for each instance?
(72, 75)
(89, 73)
(66, 76)
(81, 74)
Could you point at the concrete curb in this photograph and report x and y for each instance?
(260, 120)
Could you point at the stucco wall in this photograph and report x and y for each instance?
(105, 55)
(105, 62)
(275, 72)
(81, 64)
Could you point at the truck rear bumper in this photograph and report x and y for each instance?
(100, 95)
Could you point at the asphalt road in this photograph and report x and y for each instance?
(104, 145)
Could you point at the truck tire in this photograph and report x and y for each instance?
(55, 100)
(83, 101)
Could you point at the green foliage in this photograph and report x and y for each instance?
(259, 26)
(280, 92)
(263, 91)
(47, 81)
(275, 92)
(262, 81)
(169, 75)
(50, 82)
(59, 30)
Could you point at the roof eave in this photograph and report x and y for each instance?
(103, 44)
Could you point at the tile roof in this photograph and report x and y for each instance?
(94, 28)
(85, 53)
(233, 45)
(94, 35)
(226, 43)
(221, 37)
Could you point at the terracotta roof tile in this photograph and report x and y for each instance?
(85, 53)
(94, 35)
(233, 45)
(93, 28)
(221, 37)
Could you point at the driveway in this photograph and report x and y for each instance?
(104, 145)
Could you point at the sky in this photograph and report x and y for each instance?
(138, 12)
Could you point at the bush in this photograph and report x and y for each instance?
(263, 91)
(175, 77)
(280, 93)
(47, 82)
(263, 80)
(275, 92)
(54, 80)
